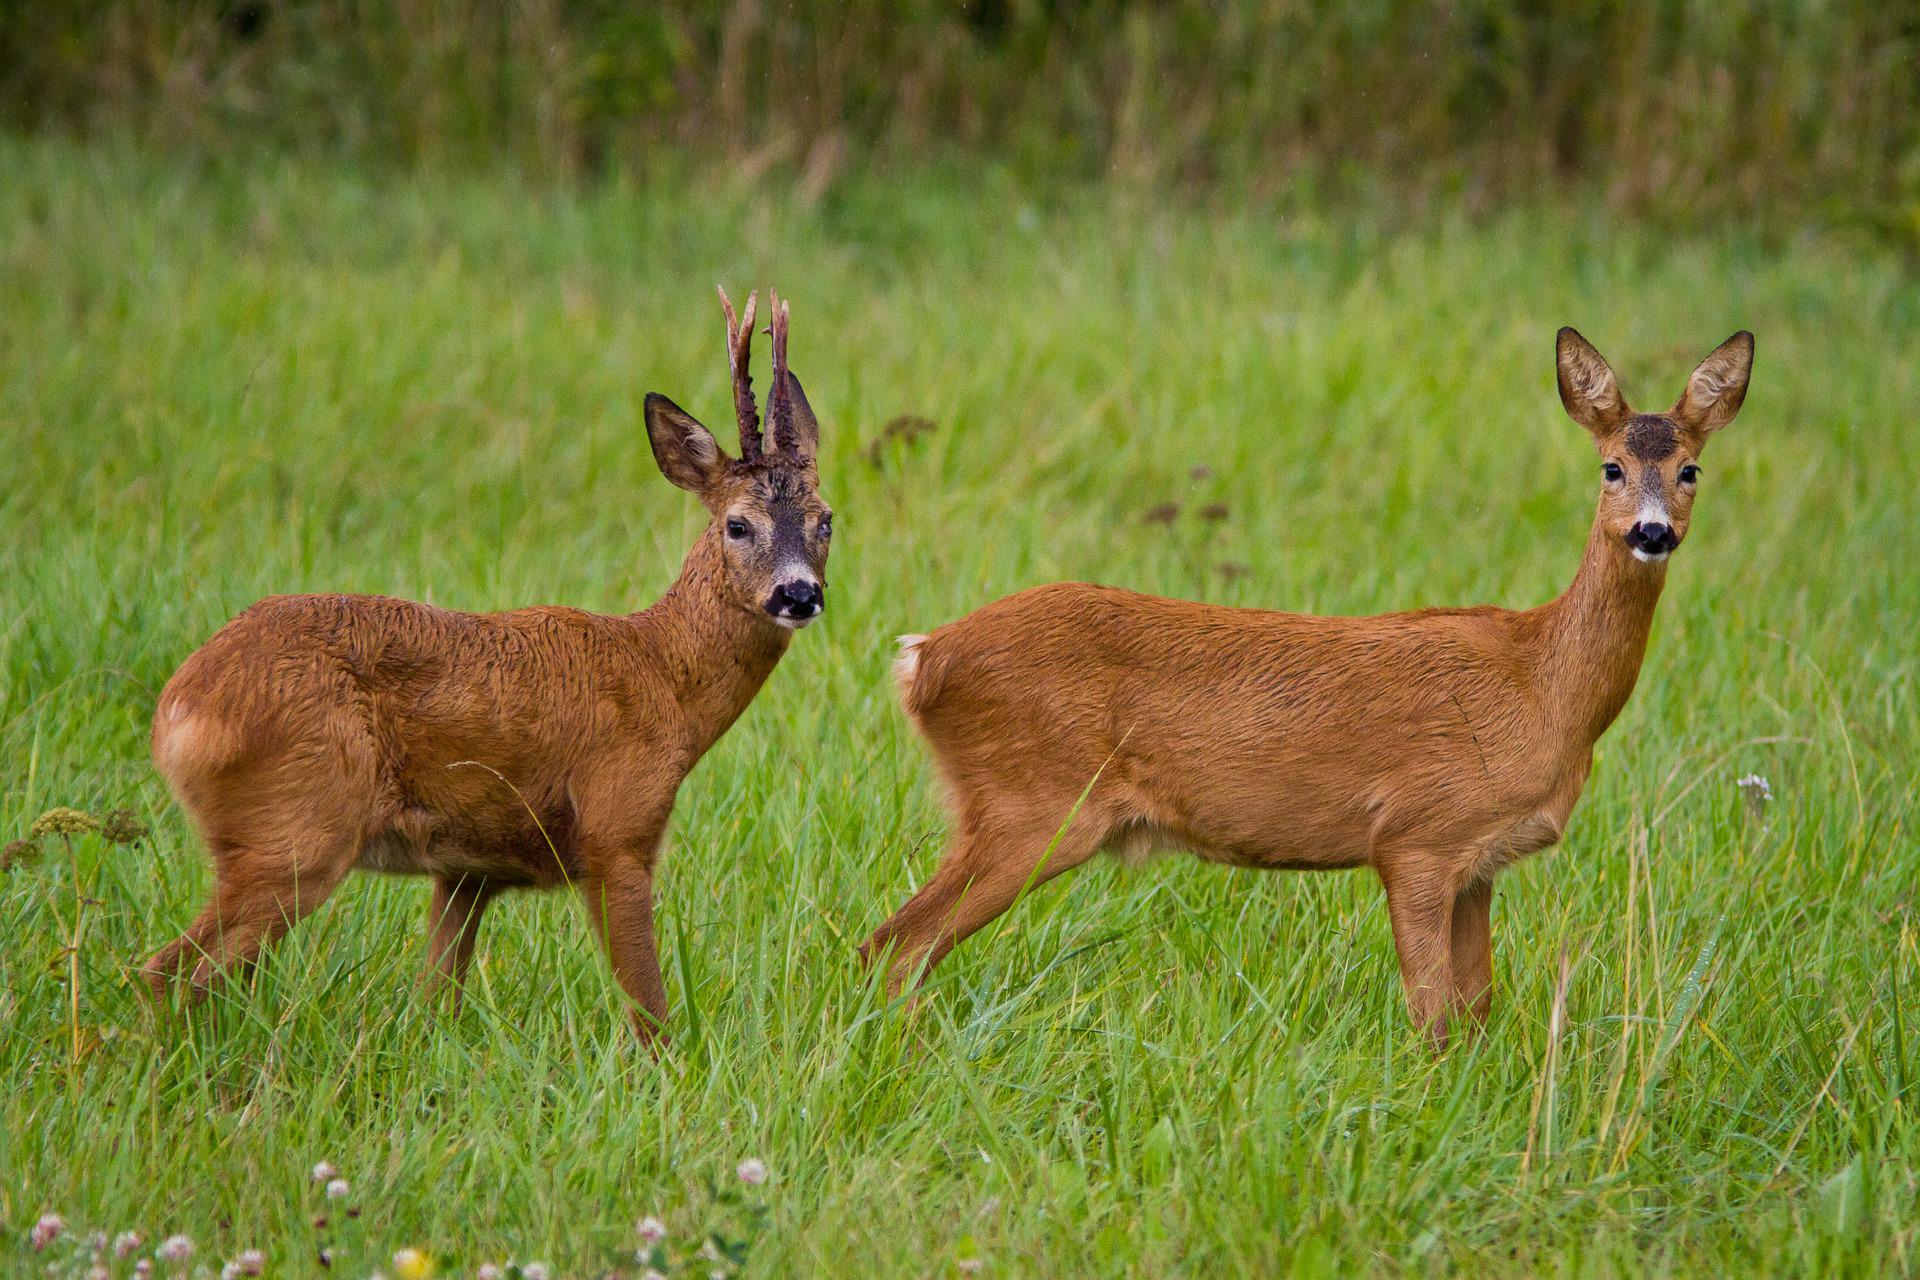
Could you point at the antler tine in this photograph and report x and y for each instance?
(740, 365)
(780, 399)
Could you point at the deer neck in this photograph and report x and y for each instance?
(1594, 636)
(714, 652)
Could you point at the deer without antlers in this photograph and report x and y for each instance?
(530, 749)
(1436, 746)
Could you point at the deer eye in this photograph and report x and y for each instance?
(1689, 474)
(1613, 472)
(824, 528)
(737, 528)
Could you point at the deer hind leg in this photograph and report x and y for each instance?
(983, 872)
(1473, 951)
(454, 918)
(257, 897)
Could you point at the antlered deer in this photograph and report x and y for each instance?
(531, 749)
(1435, 746)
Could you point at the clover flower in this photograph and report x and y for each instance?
(338, 1189)
(651, 1230)
(50, 1228)
(175, 1249)
(325, 1172)
(127, 1243)
(752, 1171)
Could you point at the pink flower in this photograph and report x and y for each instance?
(652, 1231)
(175, 1249)
(50, 1228)
(127, 1243)
(325, 1172)
(752, 1171)
(488, 1271)
(338, 1189)
(143, 1268)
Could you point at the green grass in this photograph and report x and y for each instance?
(218, 382)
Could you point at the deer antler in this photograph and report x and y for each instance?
(740, 365)
(780, 400)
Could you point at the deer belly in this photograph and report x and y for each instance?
(394, 854)
(420, 843)
(1529, 835)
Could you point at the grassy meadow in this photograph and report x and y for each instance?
(220, 381)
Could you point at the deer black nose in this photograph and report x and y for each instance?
(1652, 538)
(799, 599)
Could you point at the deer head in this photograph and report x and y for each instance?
(1650, 466)
(771, 524)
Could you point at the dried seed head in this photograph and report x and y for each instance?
(123, 826)
(64, 822)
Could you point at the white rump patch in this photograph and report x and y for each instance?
(907, 665)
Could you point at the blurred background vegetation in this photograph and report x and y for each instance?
(1778, 112)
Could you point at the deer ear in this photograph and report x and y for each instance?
(805, 425)
(1717, 387)
(1588, 388)
(686, 451)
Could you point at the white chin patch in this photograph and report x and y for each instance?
(1646, 558)
(794, 624)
